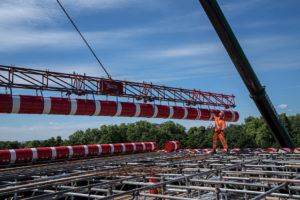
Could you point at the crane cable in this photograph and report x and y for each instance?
(85, 41)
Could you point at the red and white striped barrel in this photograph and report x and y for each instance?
(190, 150)
(22, 104)
(297, 150)
(235, 150)
(26, 155)
(219, 150)
(258, 150)
(269, 150)
(207, 151)
(198, 151)
(172, 146)
(285, 150)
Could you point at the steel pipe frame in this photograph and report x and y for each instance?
(63, 192)
(148, 155)
(181, 161)
(176, 180)
(216, 182)
(278, 180)
(87, 85)
(272, 173)
(222, 190)
(213, 189)
(70, 194)
(13, 173)
(166, 196)
(62, 167)
(225, 190)
(257, 172)
(119, 160)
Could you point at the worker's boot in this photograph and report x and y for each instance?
(214, 151)
(226, 151)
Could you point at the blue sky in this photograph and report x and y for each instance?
(167, 42)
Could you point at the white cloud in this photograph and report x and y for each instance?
(183, 51)
(98, 4)
(239, 7)
(26, 12)
(283, 106)
(33, 23)
(18, 12)
(20, 39)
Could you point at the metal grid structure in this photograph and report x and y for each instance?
(41, 80)
(178, 176)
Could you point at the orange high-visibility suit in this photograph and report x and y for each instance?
(220, 126)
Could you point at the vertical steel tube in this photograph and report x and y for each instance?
(257, 91)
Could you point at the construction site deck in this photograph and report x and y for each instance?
(180, 175)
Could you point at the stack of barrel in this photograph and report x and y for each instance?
(27, 155)
(171, 146)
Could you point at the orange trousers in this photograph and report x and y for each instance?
(221, 136)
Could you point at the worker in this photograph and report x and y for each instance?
(220, 126)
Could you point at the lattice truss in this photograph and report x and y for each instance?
(76, 84)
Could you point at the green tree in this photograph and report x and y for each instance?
(170, 131)
(252, 133)
(111, 134)
(197, 137)
(76, 138)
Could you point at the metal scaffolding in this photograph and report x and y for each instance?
(76, 84)
(178, 176)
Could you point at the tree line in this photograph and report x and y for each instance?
(252, 133)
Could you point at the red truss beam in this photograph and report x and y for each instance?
(16, 77)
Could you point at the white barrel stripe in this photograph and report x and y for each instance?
(47, 105)
(273, 149)
(171, 112)
(97, 108)
(155, 111)
(211, 115)
(123, 148)
(70, 151)
(13, 156)
(119, 109)
(152, 146)
(112, 148)
(297, 150)
(99, 149)
(199, 114)
(73, 105)
(144, 146)
(175, 145)
(137, 110)
(86, 150)
(16, 103)
(284, 150)
(134, 147)
(34, 154)
(233, 116)
(53, 150)
(185, 113)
